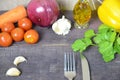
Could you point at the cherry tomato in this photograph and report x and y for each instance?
(17, 34)
(7, 27)
(5, 39)
(25, 24)
(31, 36)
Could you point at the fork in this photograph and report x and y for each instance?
(69, 66)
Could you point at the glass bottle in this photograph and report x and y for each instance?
(82, 14)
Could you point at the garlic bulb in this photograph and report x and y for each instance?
(13, 72)
(18, 60)
(62, 26)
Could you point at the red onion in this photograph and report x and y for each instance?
(43, 12)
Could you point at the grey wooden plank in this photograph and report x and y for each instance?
(45, 59)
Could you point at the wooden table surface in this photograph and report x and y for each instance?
(45, 59)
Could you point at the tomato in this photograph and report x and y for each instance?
(31, 36)
(17, 34)
(7, 27)
(5, 39)
(25, 24)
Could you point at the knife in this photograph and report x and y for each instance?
(85, 67)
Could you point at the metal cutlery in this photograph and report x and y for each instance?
(69, 66)
(85, 67)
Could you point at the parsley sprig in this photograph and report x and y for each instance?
(106, 39)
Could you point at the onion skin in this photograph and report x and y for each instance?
(43, 12)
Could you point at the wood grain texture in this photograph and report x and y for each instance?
(45, 59)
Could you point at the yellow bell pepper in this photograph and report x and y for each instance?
(109, 13)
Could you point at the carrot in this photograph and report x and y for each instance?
(13, 15)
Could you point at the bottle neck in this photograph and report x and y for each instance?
(92, 4)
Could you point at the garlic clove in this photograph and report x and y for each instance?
(19, 59)
(56, 29)
(13, 72)
(62, 26)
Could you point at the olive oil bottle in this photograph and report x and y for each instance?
(82, 14)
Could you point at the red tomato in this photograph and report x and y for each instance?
(7, 27)
(17, 34)
(31, 36)
(25, 24)
(5, 39)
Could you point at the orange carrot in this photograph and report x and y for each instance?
(13, 15)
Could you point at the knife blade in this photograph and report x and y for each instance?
(85, 67)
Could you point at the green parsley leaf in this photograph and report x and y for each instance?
(78, 45)
(111, 36)
(117, 47)
(87, 41)
(103, 28)
(107, 40)
(81, 44)
(108, 58)
(89, 33)
(97, 39)
(105, 47)
(107, 50)
(118, 40)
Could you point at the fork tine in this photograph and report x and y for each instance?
(65, 62)
(71, 61)
(74, 69)
(68, 62)
(69, 66)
